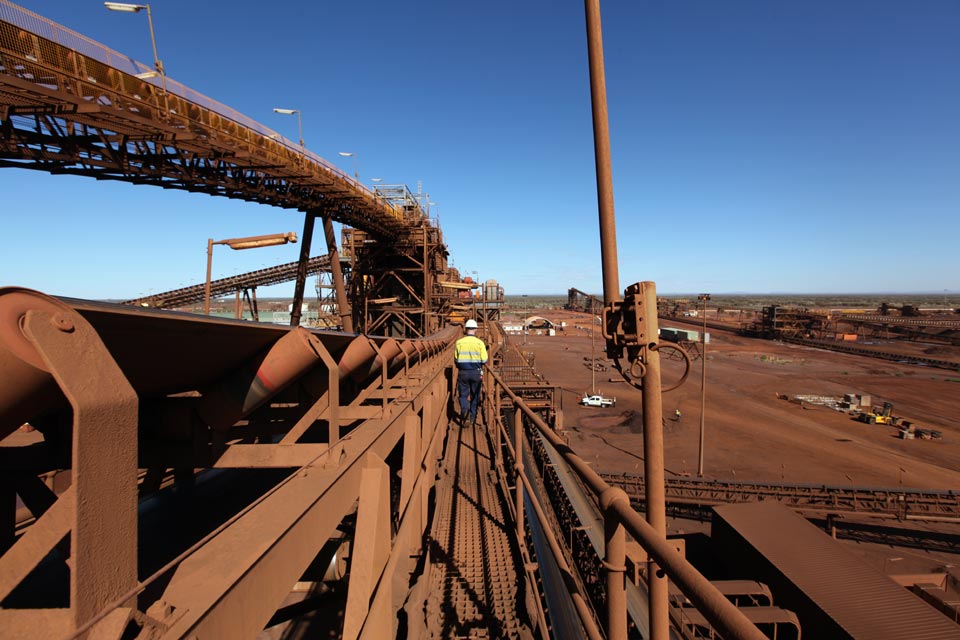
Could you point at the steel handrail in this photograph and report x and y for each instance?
(720, 612)
(579, 601)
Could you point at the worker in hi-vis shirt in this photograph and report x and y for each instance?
(470, 354)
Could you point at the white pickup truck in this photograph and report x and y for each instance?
(598, 401)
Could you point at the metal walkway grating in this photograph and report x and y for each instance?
(474, 577)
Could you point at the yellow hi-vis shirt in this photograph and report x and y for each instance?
(470, 353)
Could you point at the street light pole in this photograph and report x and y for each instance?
(290, 112)
(703, 297)
(251, 242)
(137, 8)
(206, 289)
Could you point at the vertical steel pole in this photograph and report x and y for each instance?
(495, 422)
(297, 311)
(601, 147)
(703, 385)
(427, 285)
(653, 466)
(614, 566)
(343, 305)
(158, 65)
(206, 289)
(518, 465)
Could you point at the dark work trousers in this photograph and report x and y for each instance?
(468, 388)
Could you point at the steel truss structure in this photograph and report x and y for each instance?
(332, 420)
(217, 477)
(71, 105)
(186, 296)
(579, 301)
(396, 287)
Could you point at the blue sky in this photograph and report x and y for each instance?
(757, 146)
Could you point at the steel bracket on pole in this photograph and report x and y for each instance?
(628, 335)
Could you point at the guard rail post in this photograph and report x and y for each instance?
(495, 419)
(518, 467)
(653, 468)
(614, 564)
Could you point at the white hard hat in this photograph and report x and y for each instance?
(470, 324)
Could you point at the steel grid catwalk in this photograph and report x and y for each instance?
(473, 581)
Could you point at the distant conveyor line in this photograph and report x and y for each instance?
(260, 278)
(895, 502)
(830, 345)
(874, 353)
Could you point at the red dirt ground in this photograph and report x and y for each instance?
(751, 434)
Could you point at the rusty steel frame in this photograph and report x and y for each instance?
(394, 286)
(620, 518)
(186, 296)
(98, 511)
(501, 440)
(71, 105)
(583, 302)
(230, 583)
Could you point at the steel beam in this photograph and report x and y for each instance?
(230, 589)
(370, 552)
(103, 530)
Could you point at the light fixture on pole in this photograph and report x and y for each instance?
(703, 297)
(290, 112)
(137, 8)
(347, 154)
(251, 242)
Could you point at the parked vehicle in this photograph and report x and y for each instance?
(597, 401)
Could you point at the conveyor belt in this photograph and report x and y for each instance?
(260, 278)
(889, 502)
(874, 353)
(474, 574)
